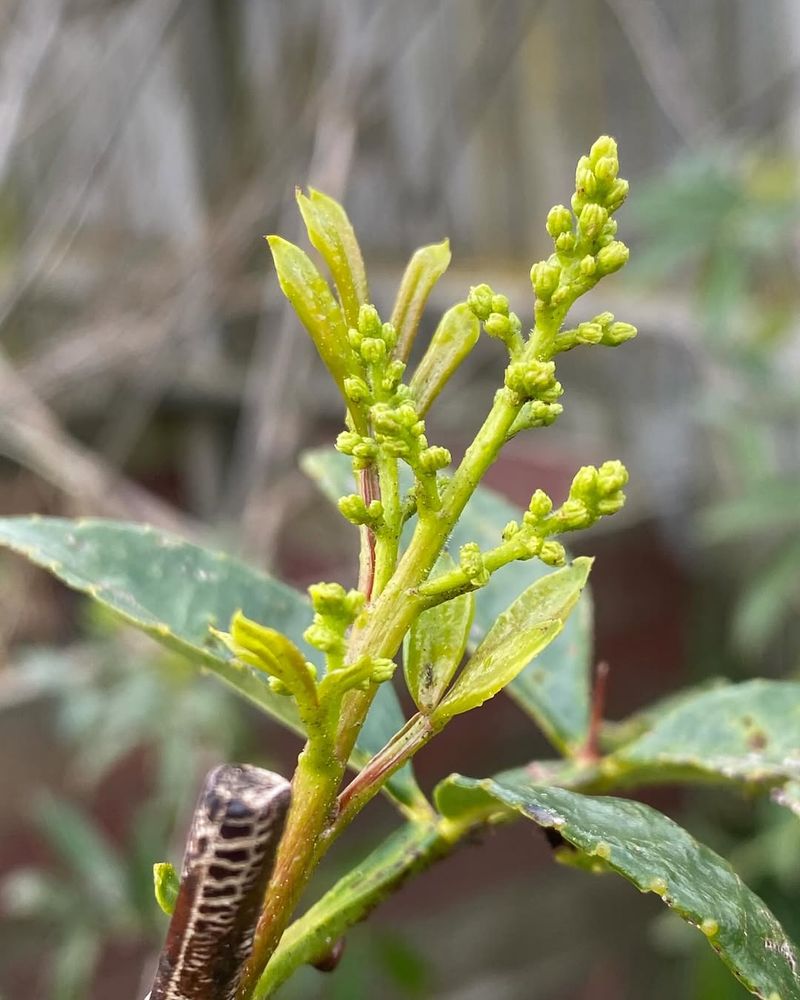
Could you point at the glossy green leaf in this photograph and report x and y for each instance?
(318, 311)
(331, 233)
(174, 590)
(554, 688)
(312, 936)
(657, 855)
(518, 635)
(435, 646)
(457, 333)
(424, 269)
(746, 732)
(166, 884)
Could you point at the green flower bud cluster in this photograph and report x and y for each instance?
(373, 343)
(531, 379)
(395, 427)
(470, 560)
(335, 610)
(584, 244)
(353, 508)
(535, 414)
(497, 319)
(594, 493)
(601, 330)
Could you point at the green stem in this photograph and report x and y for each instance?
(398, 604)
(388, 537)
(316, 780)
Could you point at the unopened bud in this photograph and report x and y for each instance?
(588, 264)
(480, 301)
(559, 221)
(540, 505)
(592, 219)
(369, 322)
(552, 554)
(612, 257)
(545, 278)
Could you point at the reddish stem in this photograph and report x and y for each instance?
(591, 749)
(370, 489)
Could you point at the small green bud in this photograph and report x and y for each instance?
(500, 304)
(588, 265)
(606, 169)
(497, 325)
(544, 414)
(353, 509)
(592, 219)
(389, 336)
(552, 393)
(545, 278)
(590, 333)
(324, 638)
(278, 687)
(559, 221)
(394, 373)
(603, 148)
(618, 333)
(373, 349)
(510, 530)
(471, 562)
(480, 301)
(346, 441)
(532, 544)
(584, 482)
(382, 670)
(574, 515)
(432, 459)
(610, 505)
(166, 883)
(586, 183)
(356, 389)
(612, 257)
(540, 505)
(369, 322)
(552, 554)
(327, 598)
(365, 450)
(565, 243)
(611, 476)
(617, 194)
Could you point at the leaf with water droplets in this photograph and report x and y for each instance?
(174, 590)
(747, 732)
(656, 855)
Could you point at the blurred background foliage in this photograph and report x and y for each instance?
(149, 370)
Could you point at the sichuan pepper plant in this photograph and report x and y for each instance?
(477, 597)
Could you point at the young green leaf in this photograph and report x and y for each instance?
(166, 884)
(435, 646)
(518, 635)
(331, 233)
(424, 269)
(659, 856)
(318, 311)
(455, 336)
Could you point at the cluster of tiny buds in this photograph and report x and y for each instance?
(373, 343)
(335, 610)
(584, 241)
(470, 560)
(594, 493)
(493, 311)
(603, 329)
(531, 379)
